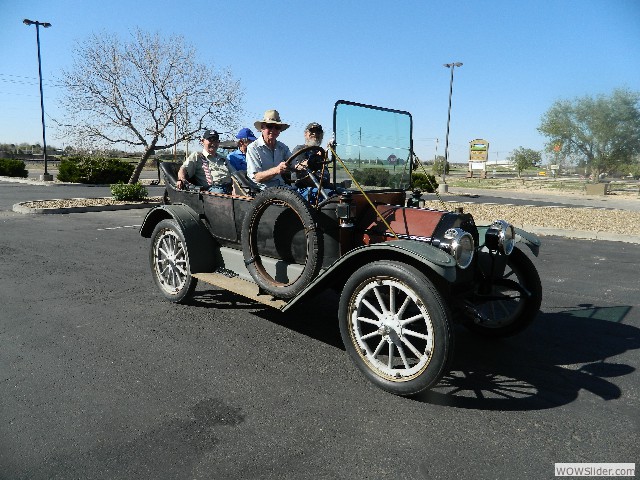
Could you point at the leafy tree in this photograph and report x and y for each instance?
(439, 164)
(523, 158)
(148, 93)
(605, 129)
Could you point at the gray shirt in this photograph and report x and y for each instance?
(260, 158)
(217, 166)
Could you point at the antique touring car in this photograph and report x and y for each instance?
(405, 274)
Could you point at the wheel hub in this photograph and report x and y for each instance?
(390, 327)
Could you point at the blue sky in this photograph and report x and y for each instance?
(300, 57)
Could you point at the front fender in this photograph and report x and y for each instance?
(410, 251)
(201, 245)
(531, 240)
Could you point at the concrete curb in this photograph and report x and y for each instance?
(20, 208)
(31, 181)
(582, 234)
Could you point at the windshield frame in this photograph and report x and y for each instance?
(409, 160)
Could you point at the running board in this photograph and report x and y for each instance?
(241, 287)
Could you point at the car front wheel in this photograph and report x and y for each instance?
(169, 260)
(396, 327)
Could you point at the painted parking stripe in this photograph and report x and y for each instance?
(118, 228)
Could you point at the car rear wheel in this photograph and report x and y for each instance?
(396, 327)
(169, 260)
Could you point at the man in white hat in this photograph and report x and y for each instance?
(266, 156)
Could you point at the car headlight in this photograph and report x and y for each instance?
(460, 246)
(501, 236)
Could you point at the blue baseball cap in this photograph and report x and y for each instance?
(246, 133)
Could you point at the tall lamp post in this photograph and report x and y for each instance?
(38, 24)
(450, 66)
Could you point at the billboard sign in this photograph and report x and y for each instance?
(478, 150)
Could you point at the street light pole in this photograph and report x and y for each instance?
(38, 24)
(451, 66)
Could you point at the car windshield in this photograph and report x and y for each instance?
(375, 145)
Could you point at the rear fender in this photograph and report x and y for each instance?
(202, 247)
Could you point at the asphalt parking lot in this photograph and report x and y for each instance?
(101, 378)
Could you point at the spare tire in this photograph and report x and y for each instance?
(295, 209)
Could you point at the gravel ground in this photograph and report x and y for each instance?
(587, 219)
(85, 202)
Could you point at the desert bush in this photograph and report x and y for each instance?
(94, 170)
(12, 168)
(426, 183)
(378, 177)
(126, 191)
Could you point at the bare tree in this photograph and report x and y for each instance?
(148, 93)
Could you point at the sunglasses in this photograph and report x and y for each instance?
(271, 126)
(316, 131)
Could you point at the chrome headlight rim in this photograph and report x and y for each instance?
(501, 236)
(461, 246)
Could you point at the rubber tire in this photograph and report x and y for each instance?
(313, 261)
(441, 326)
(527, 308)
(168, 233)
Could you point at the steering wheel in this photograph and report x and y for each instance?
(309, 167)
(320, 152)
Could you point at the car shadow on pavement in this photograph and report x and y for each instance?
(221, 300)
(544, 367)
(316, 317)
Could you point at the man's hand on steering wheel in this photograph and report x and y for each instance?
(318, 152)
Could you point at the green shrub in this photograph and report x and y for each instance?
(12, 168)
(438, 165)
(69, 170)
(95, 170)
(378, 177)
(126, 191)
(426, 183)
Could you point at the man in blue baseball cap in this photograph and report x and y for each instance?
(238, 158)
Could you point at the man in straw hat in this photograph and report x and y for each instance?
(266, 156)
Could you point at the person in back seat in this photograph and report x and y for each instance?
(238, 158)
(207, 168)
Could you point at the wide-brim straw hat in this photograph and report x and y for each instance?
(273, 117)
